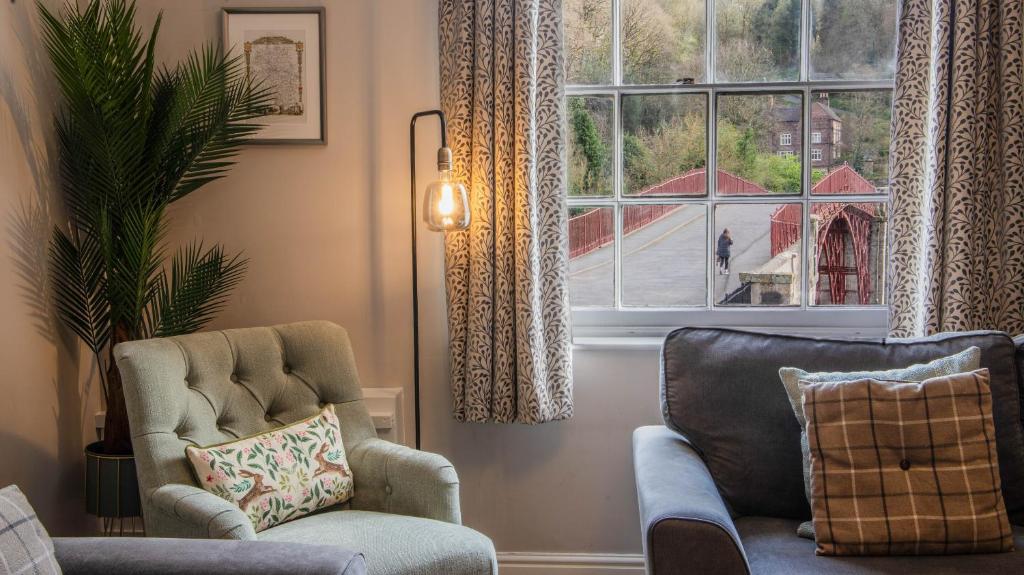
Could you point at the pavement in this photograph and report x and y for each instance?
(665, 262)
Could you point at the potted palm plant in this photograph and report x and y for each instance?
(133, 138)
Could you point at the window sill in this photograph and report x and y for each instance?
(620, 343)
(614, 334)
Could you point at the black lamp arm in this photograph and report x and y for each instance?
(443, 163)
(440, 117)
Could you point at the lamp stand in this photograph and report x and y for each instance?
(415, 277)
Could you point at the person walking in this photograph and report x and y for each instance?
(723, 251)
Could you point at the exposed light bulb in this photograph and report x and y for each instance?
(446, 204)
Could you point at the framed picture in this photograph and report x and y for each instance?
(284, 48)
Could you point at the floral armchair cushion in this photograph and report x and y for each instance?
(281, 474)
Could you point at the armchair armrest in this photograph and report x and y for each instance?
(133, 555)
(194, 512)
(686, 526)
(392, 478)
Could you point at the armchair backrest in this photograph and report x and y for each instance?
(720, 389)
(212, 387)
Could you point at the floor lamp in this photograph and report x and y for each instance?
(445, 208)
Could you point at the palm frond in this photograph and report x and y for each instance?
(194, 289)
(105, 72)
(136, 259)
(221, 103)
(80, 287)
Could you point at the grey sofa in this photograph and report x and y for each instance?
(212, 387)
(137, 556)
(720, 485)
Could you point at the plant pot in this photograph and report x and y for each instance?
(111, 485)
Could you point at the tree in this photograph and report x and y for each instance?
(132, 140)
(588, 41)
(639, 170)
(646, 34)
(865, 142)
(776, 24)
(588, 147)
(662, 40)
(854, 39)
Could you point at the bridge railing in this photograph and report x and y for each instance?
(595, 228)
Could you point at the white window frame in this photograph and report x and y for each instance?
(785, 154)
(785, 139)
(816, 155)
(645, 322)
(815, 137)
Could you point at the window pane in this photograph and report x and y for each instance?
(854, 145)
(662, 41)
(758, 40)
(588, 41)
(759, 139)
(853, 39)
(757, 254)
(664, 255)
(848, 259)
(591, 256)
(590, 146)
(664, 144)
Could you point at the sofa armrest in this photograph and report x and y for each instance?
(200, 513)
(134, 555)
(686, 526)
(392, 478)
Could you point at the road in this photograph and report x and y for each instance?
(664, 263)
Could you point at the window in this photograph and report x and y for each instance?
(677, 110)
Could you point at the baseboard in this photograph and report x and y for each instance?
(515, 563)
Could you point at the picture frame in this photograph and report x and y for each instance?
(285, 48)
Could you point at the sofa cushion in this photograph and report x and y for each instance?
(720, 389)
(25, 546)
(425, 545)
(772, 549)
(905, 468)
(967, 360)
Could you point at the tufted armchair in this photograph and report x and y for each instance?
(207, 388)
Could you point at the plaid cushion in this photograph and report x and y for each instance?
(25, 547)
(967, 360)
(903, 468)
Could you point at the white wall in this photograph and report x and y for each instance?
(42, 410)
(326, 231)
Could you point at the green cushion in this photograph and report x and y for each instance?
(394, 544)
(967, 360)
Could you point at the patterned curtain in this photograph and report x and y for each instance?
(508, 309)
(957, 167)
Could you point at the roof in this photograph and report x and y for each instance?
(844, 180)
(818, 110)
